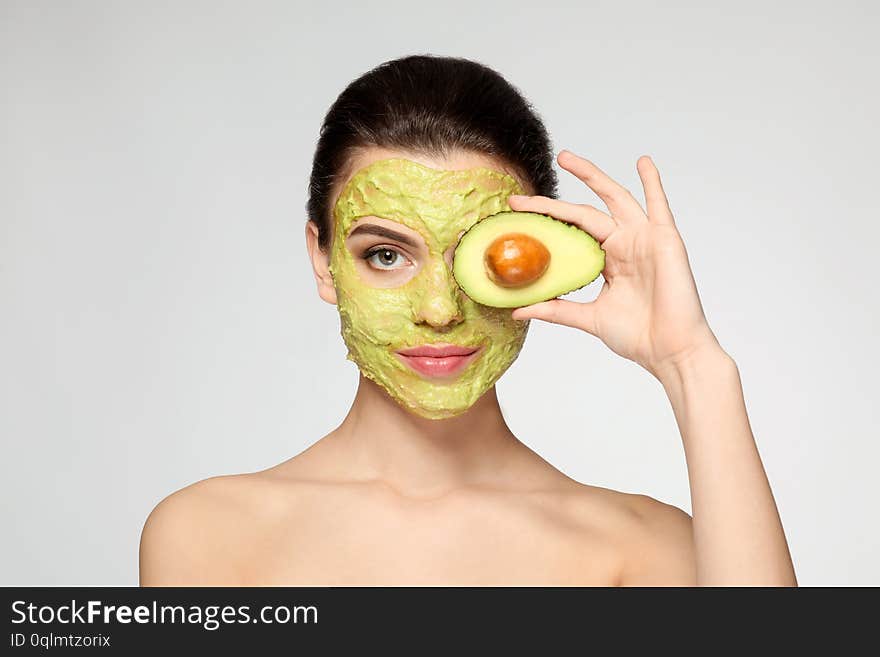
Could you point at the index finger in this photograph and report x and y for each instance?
(592, 220)
(623, 205)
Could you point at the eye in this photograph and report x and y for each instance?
(384, 258)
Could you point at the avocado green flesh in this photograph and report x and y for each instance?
(576, 259)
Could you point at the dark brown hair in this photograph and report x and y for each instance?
(432, 105)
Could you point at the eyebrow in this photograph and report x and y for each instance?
(381, 231)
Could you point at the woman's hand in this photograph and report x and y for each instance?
(648, 309)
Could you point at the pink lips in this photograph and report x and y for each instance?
(440, 360)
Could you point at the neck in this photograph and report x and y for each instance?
(423, 457)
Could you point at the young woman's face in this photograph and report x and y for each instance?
(397, 221)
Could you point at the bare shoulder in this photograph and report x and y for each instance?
(661, 545)
(193, 536)
(654, 538)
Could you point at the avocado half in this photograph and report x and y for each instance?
(575, 259)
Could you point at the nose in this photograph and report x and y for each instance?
(439, 301)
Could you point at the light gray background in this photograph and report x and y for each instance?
(159, 322)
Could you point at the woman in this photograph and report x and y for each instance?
(423, 482)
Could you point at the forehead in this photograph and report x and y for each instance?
(437, 202)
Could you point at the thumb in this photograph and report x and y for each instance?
(561, 311)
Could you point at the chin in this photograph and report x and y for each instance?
(439, 414)
(425, 398)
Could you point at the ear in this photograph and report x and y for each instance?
(320, 264)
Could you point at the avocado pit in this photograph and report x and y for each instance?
(516, 259)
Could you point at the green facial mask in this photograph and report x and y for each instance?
(428, 307)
